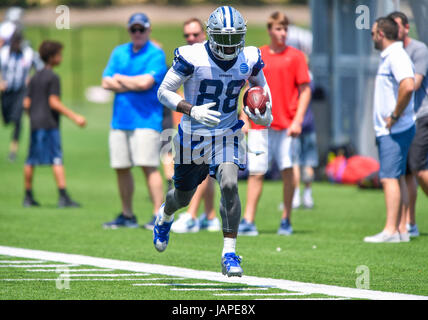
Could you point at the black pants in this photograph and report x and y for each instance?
(11, 106)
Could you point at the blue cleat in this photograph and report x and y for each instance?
(231, 265)
(121, 221)
(285, 228)
(161, 231)
(247, 229)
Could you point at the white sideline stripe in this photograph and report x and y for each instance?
(218, 289)
(22, 261)
(294, 286)
(63, 278)
(70, 270)
(262, 294)
(38, 265)
(289, 299)
(177, 284)
(105, 275)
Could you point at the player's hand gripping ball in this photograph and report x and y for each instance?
(256, 98)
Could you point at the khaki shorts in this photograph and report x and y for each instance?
(139, 147)
(272, 145)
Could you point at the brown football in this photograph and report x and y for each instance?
(256, 98)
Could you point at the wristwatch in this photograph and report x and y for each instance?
(395, 118)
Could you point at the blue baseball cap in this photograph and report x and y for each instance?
(139, 18)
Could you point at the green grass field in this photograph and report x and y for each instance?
(327, 246)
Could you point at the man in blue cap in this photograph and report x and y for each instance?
(134, 72)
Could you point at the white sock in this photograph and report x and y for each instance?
(165, 217)
(229, 245)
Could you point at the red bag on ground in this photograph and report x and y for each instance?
(357, 168)
(351, 170)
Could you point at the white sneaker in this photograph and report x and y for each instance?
(383, 237)
(212, 225)
(296, 199)
(404, 237)
(308, 201)
(185, 224)
(413, 230)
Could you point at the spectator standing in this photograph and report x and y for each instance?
(305, 159)
(134, 72)
(394, 124)
(287, 74)
(418, 153)
(44, 106)
(16, 61)
(193, 31)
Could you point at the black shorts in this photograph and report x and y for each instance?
(418, 153)
(11, 105)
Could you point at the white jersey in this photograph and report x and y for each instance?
(212, 80)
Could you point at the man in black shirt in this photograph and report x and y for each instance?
(44, 107)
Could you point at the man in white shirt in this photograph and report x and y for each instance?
(393, 122)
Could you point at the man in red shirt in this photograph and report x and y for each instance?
(287, 74)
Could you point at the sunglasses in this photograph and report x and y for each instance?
(187, 35)
(135, 30)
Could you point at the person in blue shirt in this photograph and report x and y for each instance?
(134, 72)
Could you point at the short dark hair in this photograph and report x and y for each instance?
(401, 15)
(49, 49)
(278, 17)
(389, 27)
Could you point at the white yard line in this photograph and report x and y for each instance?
(36, 265)
(176, 284)
(107, 275)
(71, 270)
(294, 286)
(23, 261)
(218, 289)
(68, 279)
(247, 294)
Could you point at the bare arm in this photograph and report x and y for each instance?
(111, 84)
(135, 83)
(305, 95)
(3, 84)
(26, 103)
(405, 91)
(56, 104)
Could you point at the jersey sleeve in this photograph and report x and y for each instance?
(259, 65)
(157, 66)
(302, 70)
(54, 87)
(401, 66)
(420, 60)
(181, 65)
(110, 70)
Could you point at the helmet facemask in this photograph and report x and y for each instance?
(226, 31)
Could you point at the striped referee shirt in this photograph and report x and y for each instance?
(15, 67)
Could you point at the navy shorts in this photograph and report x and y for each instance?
(45, 148)
(197, 156)
(393, 150)
(188, 176)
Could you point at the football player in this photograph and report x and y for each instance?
(209, 139)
